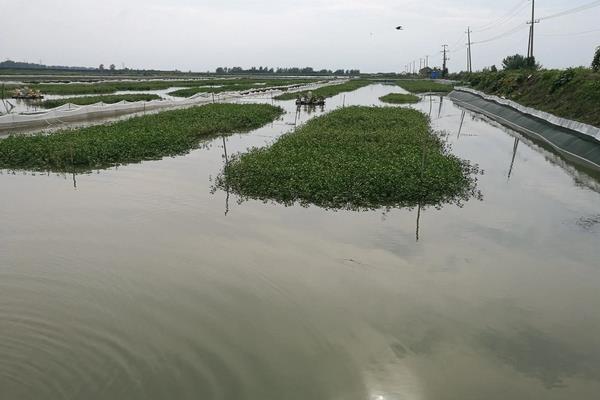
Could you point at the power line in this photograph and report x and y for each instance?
(502, 35)
(505, 19)
(569, 34)
(572, 10)
(459, 43)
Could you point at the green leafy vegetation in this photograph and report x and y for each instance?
(115, 86)
(329, 90)
(110, 99)
(106, 87)
(242, 85)
(519, 62)
(399, 98)
(573, 93)
(355, 158)
(596, 60)
(424, 86)
(147, 137)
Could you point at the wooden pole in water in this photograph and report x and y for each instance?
(418, 220)
(225, 150)
(462, 120)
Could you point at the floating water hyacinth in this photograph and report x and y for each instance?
(328, 91)
(355, 158)
(399, 98)
(424, 86)
(146, 137)
(241, 85)
(66, 88)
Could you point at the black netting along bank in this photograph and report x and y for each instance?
(576, 142)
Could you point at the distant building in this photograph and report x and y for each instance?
(436, 74)
(425, 72)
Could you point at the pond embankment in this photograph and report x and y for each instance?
(574, 140)
(573, 93)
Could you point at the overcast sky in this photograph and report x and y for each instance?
(201, 35)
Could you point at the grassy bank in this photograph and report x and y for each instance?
(328, 91)
(399, 98)
(354, 158)
(424, 86)
(572, 93)
(147, 137)
(109, 99)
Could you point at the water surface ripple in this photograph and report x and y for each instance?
(142, 283)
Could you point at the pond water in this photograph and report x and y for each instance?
(139, 282)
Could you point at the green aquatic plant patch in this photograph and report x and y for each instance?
(148, 137)
(355, 158)
(424, 86)
(329, 90)
(241, 85)
(399, 98)
(187, 92)
(115, 86)
(108, 99)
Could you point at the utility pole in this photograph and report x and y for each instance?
(469, 59)
(444, 68)
(531, 23)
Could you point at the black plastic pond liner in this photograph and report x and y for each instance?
(573, 145)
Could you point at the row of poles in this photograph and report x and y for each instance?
(424, 62)
(529, 43)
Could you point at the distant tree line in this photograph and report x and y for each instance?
(285, 71)
(9, 64)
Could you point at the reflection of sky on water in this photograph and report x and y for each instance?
(497, 300)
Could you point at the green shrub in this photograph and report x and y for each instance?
(519, 62)
(596, 60)
(563, 78)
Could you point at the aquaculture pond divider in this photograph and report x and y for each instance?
(576, 141)
(70, 113)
